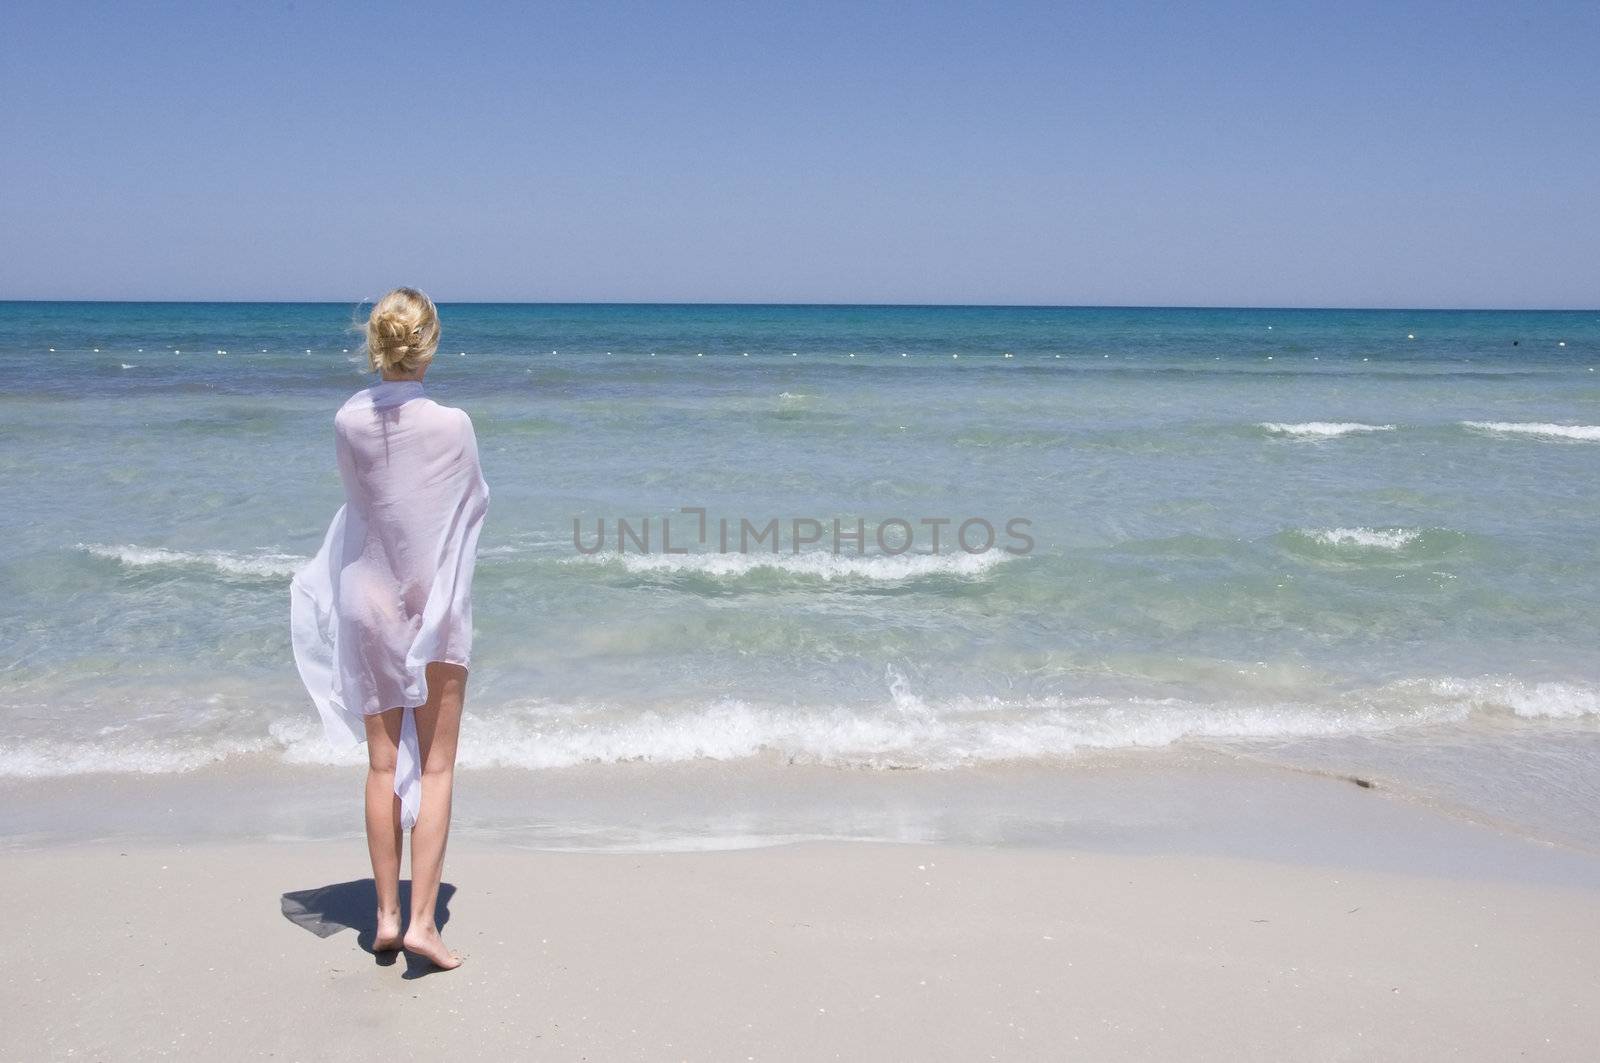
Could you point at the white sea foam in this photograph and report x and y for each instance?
(1548, 700)
(906, 730)
(909, 731)
(1587, 433)
(815, 565)
(48, 758)
(303, 741)
(263, 565)
(1367, 538)
(1323, 429)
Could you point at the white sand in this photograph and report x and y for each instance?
(849, 951)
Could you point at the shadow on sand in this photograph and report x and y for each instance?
(353, 905)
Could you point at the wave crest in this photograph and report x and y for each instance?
(1365, 538)
(905, 730)
(52, 758)
(1586, 433)
(263, 565)
(1323, 429)
(1531, 701)
(813, 565)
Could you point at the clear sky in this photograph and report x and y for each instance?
(1396, 154)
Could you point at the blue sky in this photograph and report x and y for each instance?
(1319, 154)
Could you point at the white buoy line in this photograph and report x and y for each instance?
(1002, 355)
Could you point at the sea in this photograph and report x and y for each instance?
(1350, 544)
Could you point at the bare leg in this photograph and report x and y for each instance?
(383, 824)
(438, 728)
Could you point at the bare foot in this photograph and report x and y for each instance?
(426, 942)
(387, 938)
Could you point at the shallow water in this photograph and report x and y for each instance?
(1349, 540)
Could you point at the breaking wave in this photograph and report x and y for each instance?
(905, 730)
(1323, 429)
(263, 565)
(1366, 538)
(816, 565)
(1587, 433)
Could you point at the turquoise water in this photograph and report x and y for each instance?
(1350, 540)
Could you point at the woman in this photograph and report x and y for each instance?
(382, 616)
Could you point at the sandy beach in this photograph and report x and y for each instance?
(811, 951)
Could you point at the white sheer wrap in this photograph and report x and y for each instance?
(391, 589)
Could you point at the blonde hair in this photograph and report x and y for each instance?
(402, 332)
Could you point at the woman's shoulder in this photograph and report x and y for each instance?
(358, 409)
(352, 407)
(368, 398)
(444, 412)
(454, 413)
(448, 420)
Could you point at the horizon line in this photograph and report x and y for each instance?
(833, 305)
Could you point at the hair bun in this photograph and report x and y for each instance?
(402, 331)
